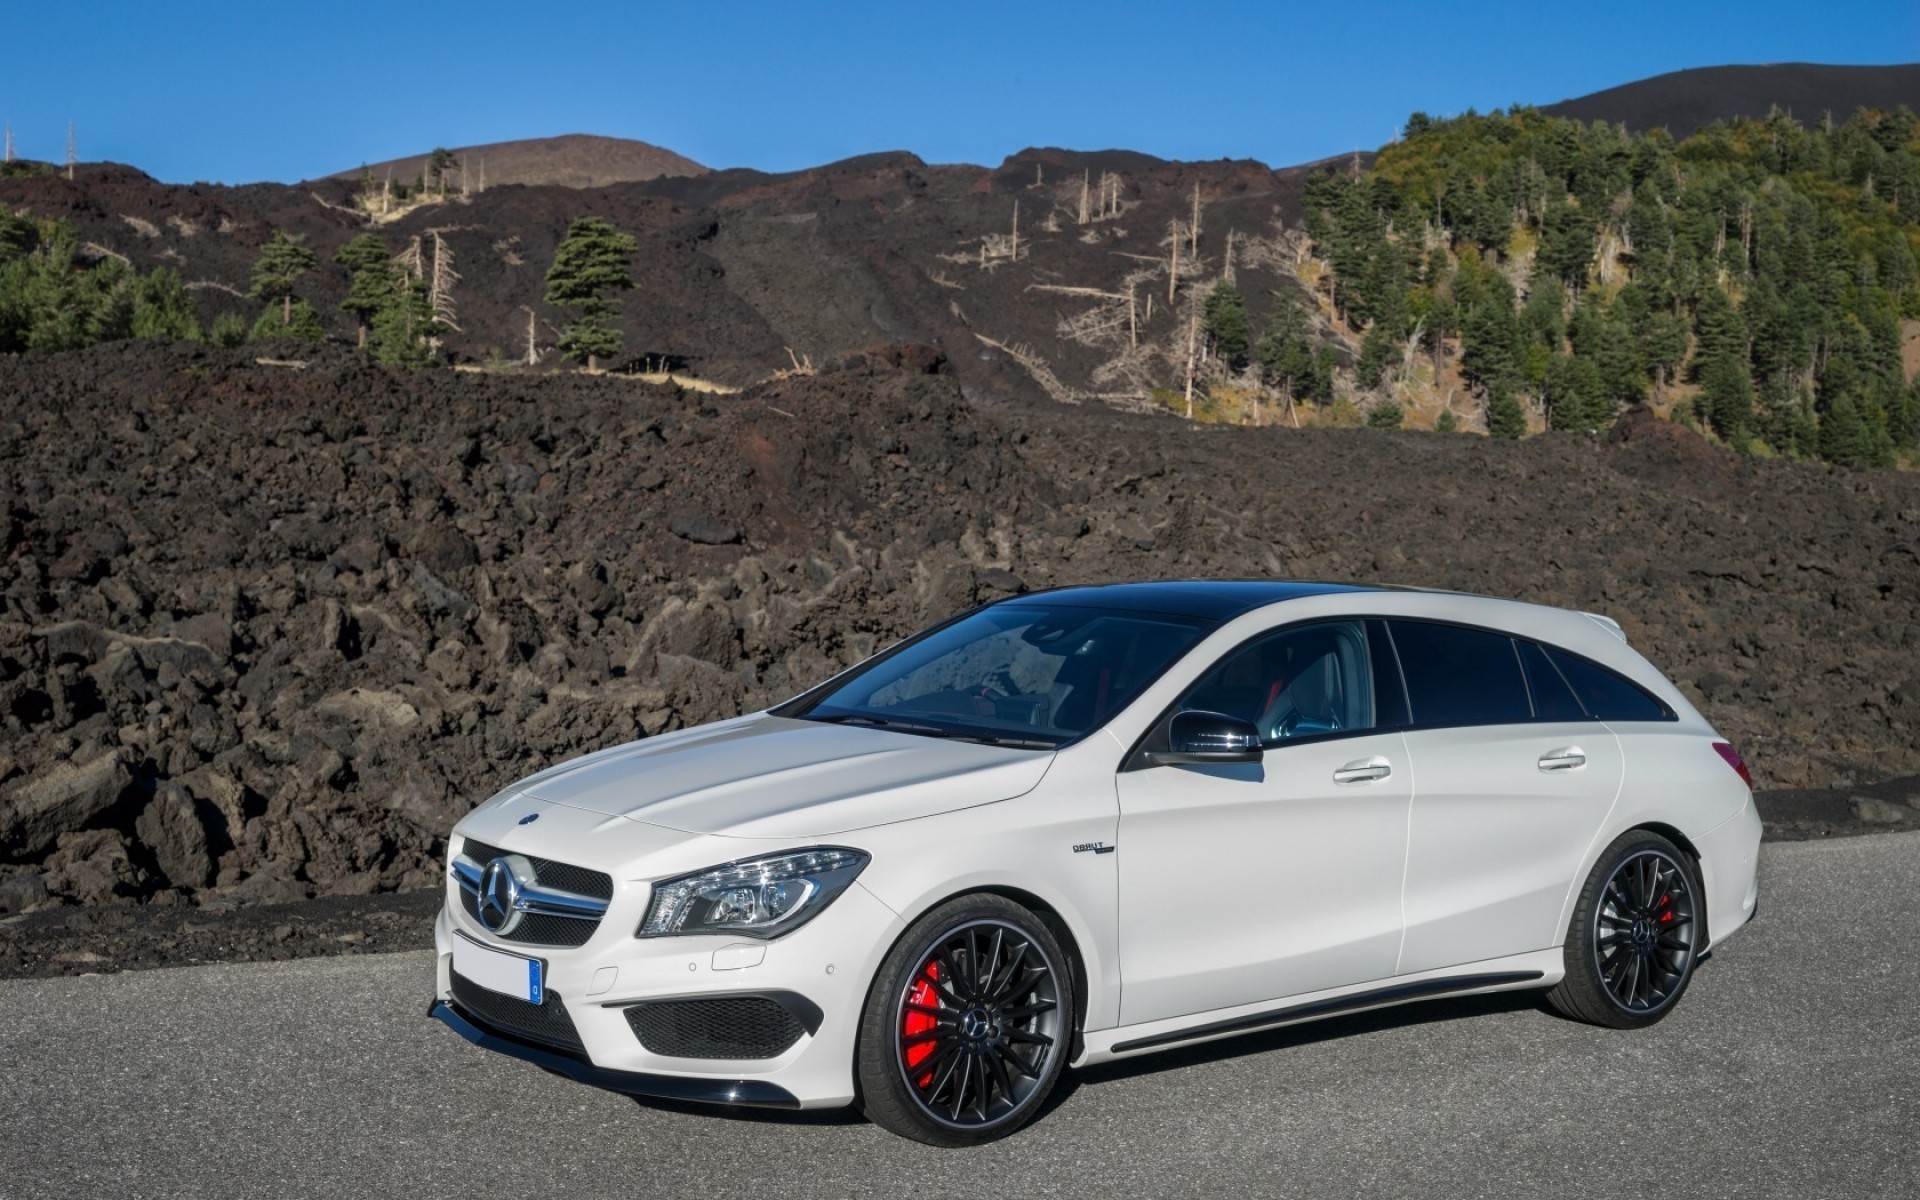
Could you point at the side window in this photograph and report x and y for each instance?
(1553, 700)
(1458, 676)
(1608, 696)
(1313, 679)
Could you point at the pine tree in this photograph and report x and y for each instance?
(1566, 244)
(589, 266)
(403, 327)
(1379, 350)
(370, 284)
(1846, 438)
(164, 309)
(229, 329)
(283, 260)
(1386, 415)
(1726, 396)
(298, 321)
(1224, 317)
(1718, 329)
(1505, 417)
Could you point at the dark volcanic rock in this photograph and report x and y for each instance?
(308, 618)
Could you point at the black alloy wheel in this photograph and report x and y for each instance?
(968, 1024)
(1643, 946)
(1635, 935)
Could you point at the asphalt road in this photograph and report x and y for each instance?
(1791, 1069)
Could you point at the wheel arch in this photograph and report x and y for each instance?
(1686, 847)
(1046, 910)
(1062, 931)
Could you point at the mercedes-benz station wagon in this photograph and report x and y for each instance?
(1086, 824)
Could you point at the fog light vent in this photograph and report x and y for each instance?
(731, 1027)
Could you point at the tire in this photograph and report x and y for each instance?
(1635, 934)
(967, 1026)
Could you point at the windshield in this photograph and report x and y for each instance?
(1029, 674)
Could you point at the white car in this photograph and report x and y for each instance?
(1085, 824)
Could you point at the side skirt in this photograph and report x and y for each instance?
(1398, 993)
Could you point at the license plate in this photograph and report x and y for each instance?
(498, 971)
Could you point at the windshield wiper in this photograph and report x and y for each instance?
(885, 723)
(995, 739)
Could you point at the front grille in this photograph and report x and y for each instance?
(538, 929)
(736, 1027)
(546, 1022)
(564, 877)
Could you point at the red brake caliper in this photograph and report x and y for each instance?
(1666, 907)
(919, 1022)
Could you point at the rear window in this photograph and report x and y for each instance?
(1608, 695)
(1459, 676)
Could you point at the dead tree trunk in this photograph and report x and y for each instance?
(440, 290)
(1016, 231)
(73, 155)
(1086, 179)
(1193, 336)
(1193, 230)
(1173, 258)
(533, 355)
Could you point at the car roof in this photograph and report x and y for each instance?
(1208, 599)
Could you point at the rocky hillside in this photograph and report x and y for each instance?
(265, 633)
(739, 273)
(573, 160)
(1684, 102)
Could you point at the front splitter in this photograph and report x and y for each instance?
(751, 1093)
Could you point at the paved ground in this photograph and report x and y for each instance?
(1792, 1069)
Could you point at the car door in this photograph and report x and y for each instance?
(1512, 783)
(1253, 881)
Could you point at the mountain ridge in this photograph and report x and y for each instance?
(577, 160)
(1687, 101)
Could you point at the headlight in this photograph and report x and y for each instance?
(758, 897)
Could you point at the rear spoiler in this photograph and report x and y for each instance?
(1607, 623)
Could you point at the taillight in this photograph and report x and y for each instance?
(1735, 761)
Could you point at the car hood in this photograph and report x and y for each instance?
(774, 777)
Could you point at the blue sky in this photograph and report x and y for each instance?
(237, 92)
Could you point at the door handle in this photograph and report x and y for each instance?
(1364, 770)
(1564, 759)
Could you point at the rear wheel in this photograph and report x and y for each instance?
(1635, 932)
(967, 1025)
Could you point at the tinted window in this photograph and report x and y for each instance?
(1313, 679)
(1608, 696)
(1459, 676)
(1037, 672)
(1553, 700)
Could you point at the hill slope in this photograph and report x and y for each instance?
(574, 160)
(1684, 102)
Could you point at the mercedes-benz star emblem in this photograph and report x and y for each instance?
(499, 891)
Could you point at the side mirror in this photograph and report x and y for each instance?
(1208, 737)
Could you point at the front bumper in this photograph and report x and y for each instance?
(756, 1093)
(827, 963)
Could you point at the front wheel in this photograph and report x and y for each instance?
(1635, 933)
(967, 1026)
